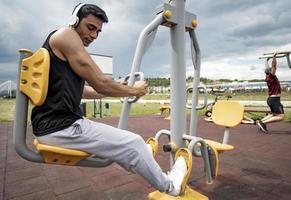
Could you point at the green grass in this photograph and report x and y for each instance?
(7, 107)
(115, 109)
(287, 117)
(255, 96)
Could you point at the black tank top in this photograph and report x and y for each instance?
(61, 107)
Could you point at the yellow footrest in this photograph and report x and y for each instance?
(187, 155)
(59, 155)
(219, 146)
(154, 144)
(189, 194)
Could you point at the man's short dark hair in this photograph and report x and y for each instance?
(92, 9)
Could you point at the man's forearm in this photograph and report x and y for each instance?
(274, 63)
(109, 87)
(90, 93)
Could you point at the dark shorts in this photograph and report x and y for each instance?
(275, 105)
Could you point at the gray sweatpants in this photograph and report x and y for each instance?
(125, 148)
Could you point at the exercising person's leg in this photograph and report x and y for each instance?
(125, 148)
(277, 113)
(276, 109)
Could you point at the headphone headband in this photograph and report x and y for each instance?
(74, 20)
(75, 12)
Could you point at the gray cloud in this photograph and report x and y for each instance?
(230, 33)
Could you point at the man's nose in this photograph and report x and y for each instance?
(94, 35)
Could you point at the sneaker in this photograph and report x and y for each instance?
(177, 175)
(262, 126)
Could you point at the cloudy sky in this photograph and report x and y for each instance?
(231, 34)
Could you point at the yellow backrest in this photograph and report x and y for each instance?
(34, 76)
(227, 113)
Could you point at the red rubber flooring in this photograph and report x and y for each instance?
(258, 169)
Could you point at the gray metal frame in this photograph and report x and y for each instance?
(145, 39)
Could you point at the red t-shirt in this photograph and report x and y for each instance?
(273, 83)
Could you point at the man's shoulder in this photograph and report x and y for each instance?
(63, 37)
(62, 32)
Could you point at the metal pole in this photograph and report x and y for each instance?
(140, 50)
(9, 89)
(178, 75)
(94, 108)
(195, 50)
(226, 136)
(20, 121)
(100, 108)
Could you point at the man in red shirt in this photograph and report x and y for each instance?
(274, 92)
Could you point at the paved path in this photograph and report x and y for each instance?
(258, 168)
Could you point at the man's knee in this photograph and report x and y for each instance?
(137, 140)
(279, 116)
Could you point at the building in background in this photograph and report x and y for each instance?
(104, 62)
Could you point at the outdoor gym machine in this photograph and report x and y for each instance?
(173, 16)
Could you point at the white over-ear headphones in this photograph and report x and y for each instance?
(74, 19)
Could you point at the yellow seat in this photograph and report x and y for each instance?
(227, 113)
(59, 155)
(165, 108)
(219, 146)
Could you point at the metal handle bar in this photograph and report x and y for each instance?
(137, 75)
(271, 56)
(279, 55)
(282, 52)
(188, 91)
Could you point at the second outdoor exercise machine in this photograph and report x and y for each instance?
(172, 14)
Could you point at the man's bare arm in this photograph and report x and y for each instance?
(90, 93)
(274, 64)
(68, 42)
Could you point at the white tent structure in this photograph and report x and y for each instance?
(104, 62)
(7, 87)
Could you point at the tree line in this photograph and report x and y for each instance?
(165, 82)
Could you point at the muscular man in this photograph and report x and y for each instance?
(59, 120)
(274, 92)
